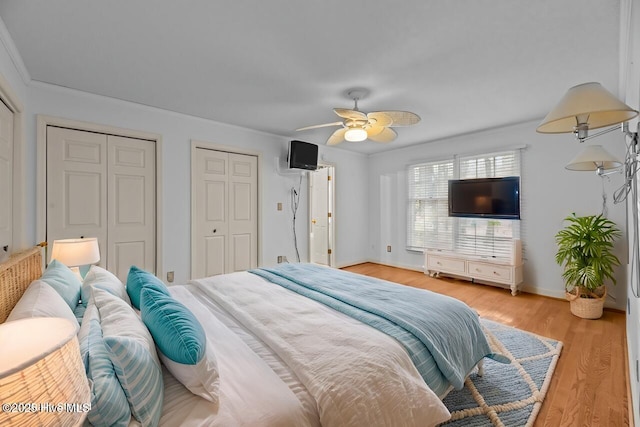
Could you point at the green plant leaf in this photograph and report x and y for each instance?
(585, 250)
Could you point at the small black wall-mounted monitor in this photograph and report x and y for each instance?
(303, 155)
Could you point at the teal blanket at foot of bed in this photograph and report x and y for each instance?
(442, 335)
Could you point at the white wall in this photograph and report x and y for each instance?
(177, 131)
(549, 193)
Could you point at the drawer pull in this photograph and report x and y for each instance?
(438, 262)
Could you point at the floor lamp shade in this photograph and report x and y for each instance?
(41, 369)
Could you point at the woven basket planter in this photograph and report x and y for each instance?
(587, 308)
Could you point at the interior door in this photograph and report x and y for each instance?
(6, 180)
(103, 186)
(226, 213)
(77, 186)
(243, 212)
(131, 230)
(319, 212)
(211, 213)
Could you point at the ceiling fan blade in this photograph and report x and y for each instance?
(374, 130)
(337, 137)
(350, 114)
(386, 135)
(320, 126)
(380, 118)
(400, 118)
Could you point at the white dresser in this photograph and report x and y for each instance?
(501, 272)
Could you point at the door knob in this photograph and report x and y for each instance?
(215, 229)
(313, 221)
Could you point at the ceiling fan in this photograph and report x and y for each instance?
(358, 126)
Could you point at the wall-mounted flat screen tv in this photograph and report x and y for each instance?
(303, 155)
(485, 198)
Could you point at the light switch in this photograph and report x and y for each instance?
(279, 206)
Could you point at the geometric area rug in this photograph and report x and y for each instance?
(507, 395)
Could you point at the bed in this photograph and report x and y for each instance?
(285, 346)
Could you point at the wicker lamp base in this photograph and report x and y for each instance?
(586, 308)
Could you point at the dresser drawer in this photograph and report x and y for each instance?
(494, 273)
(439, 263)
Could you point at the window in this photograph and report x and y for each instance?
(428, 220)
(428, 223)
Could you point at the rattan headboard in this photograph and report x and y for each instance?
(15, 276)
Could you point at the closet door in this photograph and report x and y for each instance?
(131, 201)
(6, 180)
(103, 186)
(225, 217)
(210, 225)
(243, 212)
(77, 186)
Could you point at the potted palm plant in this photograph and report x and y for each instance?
(585, 250)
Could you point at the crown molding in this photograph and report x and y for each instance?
(15, 56)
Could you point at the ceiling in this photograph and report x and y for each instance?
(278, 65)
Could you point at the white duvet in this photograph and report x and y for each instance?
(357, 375)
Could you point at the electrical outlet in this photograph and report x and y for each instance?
(170, 276)
(281, 259)
(389, 248)
(279, 206)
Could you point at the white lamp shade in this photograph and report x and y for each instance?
(76, 252)
(355, 134)
(588, 103)
(41, 364)
(592, 158)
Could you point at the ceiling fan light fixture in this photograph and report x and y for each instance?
(355, 134)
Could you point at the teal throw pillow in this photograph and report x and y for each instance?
(138, 279)
(64, 281)
(175, 330)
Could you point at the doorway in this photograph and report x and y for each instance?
(322, 215)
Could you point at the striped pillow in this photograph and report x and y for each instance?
(109, 405)
(140, 377)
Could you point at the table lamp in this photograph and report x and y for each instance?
(42, 377)
(75, 253)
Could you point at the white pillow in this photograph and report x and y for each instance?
(133, 355)
(41, 300)
(103, 279)
(201, 379)
(118, 319)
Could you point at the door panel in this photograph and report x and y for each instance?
(87, 186)
(126, 255)
(226, 213)
(6, 179)
(77, 186)
(103, 186)
(215, 255)
(131, 205)
(242, 252)
(211, 213)
(319, 234)
(243, 215)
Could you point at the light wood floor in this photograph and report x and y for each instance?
(589, 386)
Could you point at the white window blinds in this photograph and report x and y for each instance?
(487, 237)
(428, 223)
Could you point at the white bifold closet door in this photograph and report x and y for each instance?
(226, 213)
(103, 186)
(6, 180)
